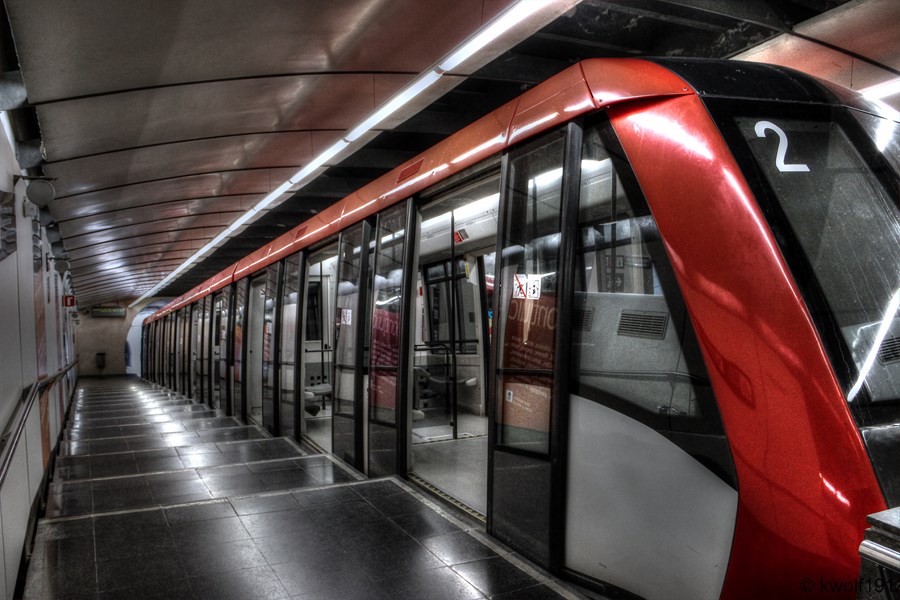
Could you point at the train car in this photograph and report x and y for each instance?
(642, 319)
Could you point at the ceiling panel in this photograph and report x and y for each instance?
(165, 161)
(162, 121)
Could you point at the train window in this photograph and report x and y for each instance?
(633, 346)
(847, 225)
(528, 267)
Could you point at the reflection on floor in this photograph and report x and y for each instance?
(456, 467)
(318, 427)
(154, 497)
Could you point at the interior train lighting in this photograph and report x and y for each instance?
(506, 21)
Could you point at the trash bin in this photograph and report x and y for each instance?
(100, 359)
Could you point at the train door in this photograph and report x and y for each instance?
(238, 324)
(196, 344)
(253, 338)
(316, 348)
(217, 346)
(205, 329)
(350, 362)
(271, 335)
(454, 271)
(388, 342)
(290, 301)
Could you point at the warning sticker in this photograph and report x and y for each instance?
(527, 286)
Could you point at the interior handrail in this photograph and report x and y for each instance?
(12, 433)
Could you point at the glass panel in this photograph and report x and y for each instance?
(390, 237)
(316, 362)
(289, 304)
(240, 299)
(528, 270)
(848, 227)
(458, 234)
(204, 350)
(196, 332)
(269, 373)
(221, 368)
(345, 343)
(632, 343)
(256, 340)
(216, 346)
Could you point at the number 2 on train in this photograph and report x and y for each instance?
(761, 129)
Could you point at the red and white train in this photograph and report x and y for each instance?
(643, 319)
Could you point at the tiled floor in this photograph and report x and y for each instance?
(134, 513)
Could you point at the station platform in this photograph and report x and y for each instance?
(156, 496)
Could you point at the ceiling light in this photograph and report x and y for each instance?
(882, 90)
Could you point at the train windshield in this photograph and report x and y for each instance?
(836, 204)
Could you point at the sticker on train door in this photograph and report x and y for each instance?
(527, 286)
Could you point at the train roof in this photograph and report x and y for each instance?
(584, 87)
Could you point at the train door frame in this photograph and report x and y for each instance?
(389, 340)
(325, 314)
(480, 174)
(297, 346)
(554, 461)
(253, 332)
(212, 361)
(359, 327)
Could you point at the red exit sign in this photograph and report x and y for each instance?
(68, 301)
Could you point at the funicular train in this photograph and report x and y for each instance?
(643, 319)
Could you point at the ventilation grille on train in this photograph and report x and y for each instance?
(582, 319)
(634, 323)
(889, 351)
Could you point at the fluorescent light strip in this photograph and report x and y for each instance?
(506, 21)
(512, 17)
(882, 90)
(394, 104)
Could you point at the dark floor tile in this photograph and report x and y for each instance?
(424, 524)
(150, 570)
(259, 583)
(396, 559)
(120, 499)
(41, 584)
(198, 448)
(199, 512)
(144, 519)
(199, 534)
(65, 554)
(458, 547)
(272, 523)
(159, 464)
(434, 584)
(377, 488)
(134, 541)
(57, 530)
(286, 479)
(175, 492)
(222, 557)
(495, 575)
(199, 461)
(332, 495)
(66, 505)
(316, 580)
(536, 592)
(168, 589)
(269, 466)
(82, 471)
(262, 504)
(395, 505)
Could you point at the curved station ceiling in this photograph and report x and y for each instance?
(161, 124)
